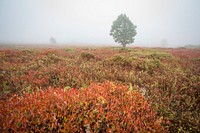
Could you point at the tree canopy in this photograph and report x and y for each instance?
(123, 30)
(53, 40)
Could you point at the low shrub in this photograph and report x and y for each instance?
(149, 65)
(124, 50)
(87, 56)
(171, 84)
(69, 49)
(102, 107)
(119, 60)
(160, 55)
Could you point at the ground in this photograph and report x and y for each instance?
(165, 80)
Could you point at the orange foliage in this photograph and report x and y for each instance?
(102, 107)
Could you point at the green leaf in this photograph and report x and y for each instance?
(130, 87)
(66, 88)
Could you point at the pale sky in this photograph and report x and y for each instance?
(89, 21)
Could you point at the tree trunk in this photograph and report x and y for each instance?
(124, 45)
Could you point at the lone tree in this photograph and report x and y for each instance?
(53, 40)
(123, 30)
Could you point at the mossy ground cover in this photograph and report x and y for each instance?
(167, 80)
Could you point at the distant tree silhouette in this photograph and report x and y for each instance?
(164, 42)
(53, 40)
(123, 30)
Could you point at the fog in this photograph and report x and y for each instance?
(159, 22)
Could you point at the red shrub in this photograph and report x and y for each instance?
(99, 108)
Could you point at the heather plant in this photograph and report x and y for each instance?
(69, 49)
(87, 56)
(119, 60)
(149, 65)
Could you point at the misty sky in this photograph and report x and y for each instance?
(89, 21)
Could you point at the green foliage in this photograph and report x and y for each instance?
(6, 88)
(87, 56)
(123, 30)
(196, 59)
(160, 55)
(151, 54)
(69, 49)
(131, 87)
(28, 51)
(124, 50)
(119, 60)
(149, 65)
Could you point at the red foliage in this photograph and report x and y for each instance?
(99, 108)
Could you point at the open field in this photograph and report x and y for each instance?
(99, 90)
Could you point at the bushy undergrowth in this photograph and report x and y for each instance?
(87, 56)
(168, 78)
(99, 108)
